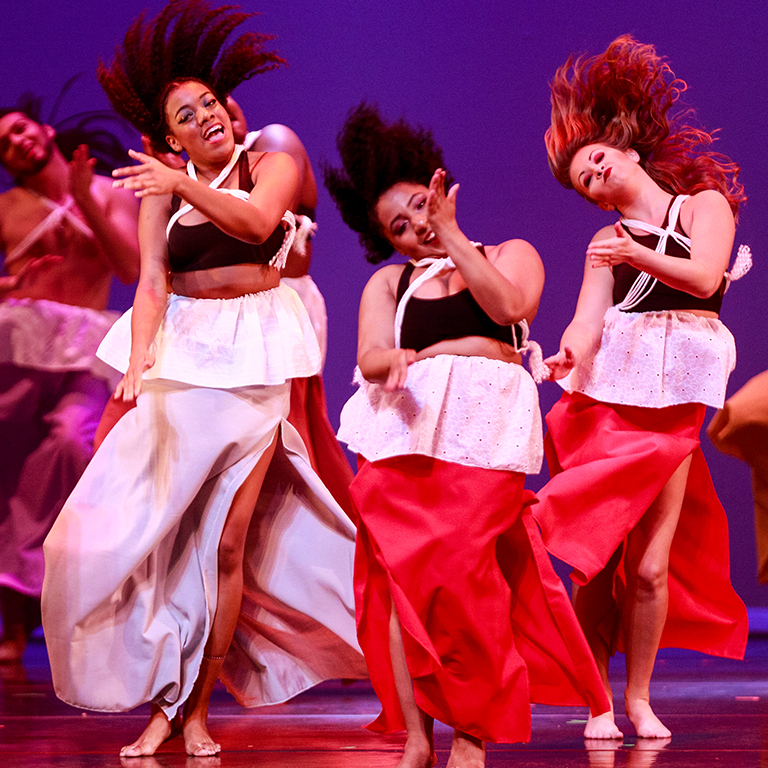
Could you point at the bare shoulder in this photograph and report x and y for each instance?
(279, 138)
(605, 233)
(385, 280)
(706, 200)
(514, 249)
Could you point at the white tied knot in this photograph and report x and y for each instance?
(741, 266)
(279, 259)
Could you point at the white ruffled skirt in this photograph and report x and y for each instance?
(260, 338)
(468, 410)
(657, 359)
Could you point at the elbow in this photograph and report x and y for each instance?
(705, 289)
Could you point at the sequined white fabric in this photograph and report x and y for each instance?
(657, 359)
(468, 410)
(259, 338)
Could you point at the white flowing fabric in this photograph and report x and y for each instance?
(131, 563)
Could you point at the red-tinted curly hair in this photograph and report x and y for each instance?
(624, 98)
(183, 42)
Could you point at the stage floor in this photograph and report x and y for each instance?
(716, 709)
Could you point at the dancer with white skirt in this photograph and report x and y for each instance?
(161, 577)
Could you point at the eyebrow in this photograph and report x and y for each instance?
(186, 106)
(578, 178)
(410, 200)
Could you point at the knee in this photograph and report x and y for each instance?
(230, 556)
(649, 580)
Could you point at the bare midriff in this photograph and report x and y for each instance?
(225, 282)
(473, 346)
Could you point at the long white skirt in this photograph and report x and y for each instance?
(131, 563)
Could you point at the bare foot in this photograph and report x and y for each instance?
(602, 727)
(466, 751)
(647, 725)
(197, 740)
(418, 753)
(159, 730)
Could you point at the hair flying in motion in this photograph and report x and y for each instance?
(375, 156)
(624, 98)
(185, 41)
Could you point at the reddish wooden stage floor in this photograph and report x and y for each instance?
(717, 711)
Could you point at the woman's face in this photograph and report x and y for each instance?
(198, 123)
(402, 215)
(600, 172)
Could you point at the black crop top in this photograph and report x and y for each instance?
(205, 246)
(428, 321)
(662, 296)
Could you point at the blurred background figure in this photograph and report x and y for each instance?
(64, 232)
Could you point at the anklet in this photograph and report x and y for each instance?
(213, 658)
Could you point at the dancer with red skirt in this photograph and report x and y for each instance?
(459, 613)
(631, 504)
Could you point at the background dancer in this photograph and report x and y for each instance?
(193, 591)
(446, 422)
(631, 504)
(65, 232)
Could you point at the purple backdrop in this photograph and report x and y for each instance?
(476, 73)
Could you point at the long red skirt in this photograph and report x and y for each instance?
(608, 463)
(487, 625)
(308, 414)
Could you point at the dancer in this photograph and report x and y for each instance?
(630, 504)
(308, 414)
(160, 575)
(64, 232)
(446, 422)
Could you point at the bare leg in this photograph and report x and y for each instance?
(466, 751)
(645, 612)
(419, 749)
(197, 740)
(159, 730)
(591, 602)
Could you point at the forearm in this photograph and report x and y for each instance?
(581, 338)
(230, 214)
(698, 278)
(499, 297)
(148, 310)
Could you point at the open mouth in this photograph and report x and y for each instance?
(429, 238)
(213, 132)
(607, 174)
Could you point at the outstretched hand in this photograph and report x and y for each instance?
(441, 207)
(398, 369)
(561, 364)
(614, 250)
(150, 177)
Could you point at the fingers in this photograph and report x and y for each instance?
(452, 192)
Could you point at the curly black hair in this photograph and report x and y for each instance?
(183, 42)
(375, 156)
